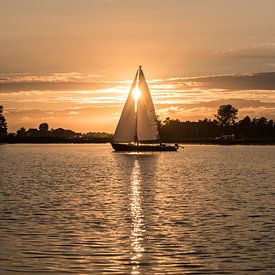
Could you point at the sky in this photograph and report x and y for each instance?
(70, 63)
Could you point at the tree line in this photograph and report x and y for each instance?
(43, 134)
(224, 125)
(3, 123)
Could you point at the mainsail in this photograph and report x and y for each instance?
(138, 120)
(147, 127)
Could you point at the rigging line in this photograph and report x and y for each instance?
(136, 106)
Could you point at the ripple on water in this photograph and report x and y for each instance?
(84, 209)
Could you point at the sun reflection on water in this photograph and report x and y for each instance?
(137, 219)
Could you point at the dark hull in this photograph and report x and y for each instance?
(143, 148)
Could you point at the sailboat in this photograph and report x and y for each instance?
(137, 129)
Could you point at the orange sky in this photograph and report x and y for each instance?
(70, 63)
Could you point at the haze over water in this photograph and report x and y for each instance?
(85, 209)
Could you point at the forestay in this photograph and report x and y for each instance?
(126, 128)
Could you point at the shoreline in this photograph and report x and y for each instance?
(196, 142)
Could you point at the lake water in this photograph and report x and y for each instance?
(84, 209)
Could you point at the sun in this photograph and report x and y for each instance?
(136, 94)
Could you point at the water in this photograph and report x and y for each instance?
(87, 210)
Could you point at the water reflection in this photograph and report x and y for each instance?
(138, 171)
(136, 218)
(84, 210)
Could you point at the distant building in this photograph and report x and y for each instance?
(225, 138)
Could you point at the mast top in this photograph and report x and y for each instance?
(140, 67)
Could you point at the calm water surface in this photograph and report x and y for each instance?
(87, 210)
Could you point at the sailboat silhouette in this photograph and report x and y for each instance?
(137, 129)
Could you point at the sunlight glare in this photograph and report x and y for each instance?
(137, 229)
(136, 94)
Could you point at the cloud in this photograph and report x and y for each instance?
(201, 110)
(258, 51)
(55, 82)
(246, 81)
(51, 86)
(79, 82)
(104, 117)
(73, 113)
(88, 103)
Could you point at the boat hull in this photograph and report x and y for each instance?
(143, 148)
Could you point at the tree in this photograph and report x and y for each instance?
(44, 127)
(3, 123)
(227, 115)
(262, 122)
(245, 122)
(21, 132)
(63, 133)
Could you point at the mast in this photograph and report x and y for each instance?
(136, 113)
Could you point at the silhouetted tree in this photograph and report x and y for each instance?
(176, 130)
(227, 115)
(43, 127)
(262, 122)
(21, 132)
(245, 122)
(244, 126)
(3, 123)
(256, 130)
(32, 132)
(97, 136)
(261, 127)
(63, 133)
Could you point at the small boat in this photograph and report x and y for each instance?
(137, 129)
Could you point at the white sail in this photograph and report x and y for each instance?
(138, 120)
(126, 128)
(147, 127)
